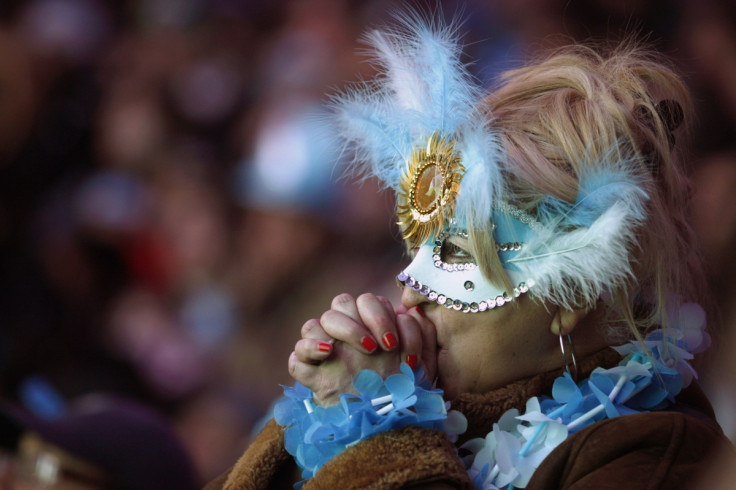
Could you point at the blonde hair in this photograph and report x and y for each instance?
(554, 115)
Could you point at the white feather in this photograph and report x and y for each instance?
(482, 185)
(422, 87)
(581, 264)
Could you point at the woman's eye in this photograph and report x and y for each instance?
(454, 254)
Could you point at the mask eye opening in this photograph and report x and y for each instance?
(451, 256)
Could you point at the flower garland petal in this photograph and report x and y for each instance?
(316, 434)
(509, 454)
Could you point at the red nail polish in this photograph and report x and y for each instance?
(389, 340)
(420, 311)
(325, 347)
(411, 360)
(368, 343)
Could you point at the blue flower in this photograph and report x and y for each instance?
(315, 434)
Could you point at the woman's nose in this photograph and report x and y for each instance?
(410, 297)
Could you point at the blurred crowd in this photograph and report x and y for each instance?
(171, 211)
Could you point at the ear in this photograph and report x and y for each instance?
(564, 321)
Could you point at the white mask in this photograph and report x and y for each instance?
(462, 286)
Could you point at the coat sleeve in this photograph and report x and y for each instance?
(264, 465)
(643, 451)
(401, 458)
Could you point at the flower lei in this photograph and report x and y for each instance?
(507, 457)
(316, 434)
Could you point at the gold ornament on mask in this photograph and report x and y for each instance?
(428, 189)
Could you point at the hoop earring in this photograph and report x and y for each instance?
(574, 374)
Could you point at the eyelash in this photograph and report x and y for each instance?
(453, 253)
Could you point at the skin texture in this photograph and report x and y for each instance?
(465, 353)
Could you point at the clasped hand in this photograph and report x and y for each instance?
(356, 334)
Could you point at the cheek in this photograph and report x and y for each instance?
(466, 342)
(486, 350)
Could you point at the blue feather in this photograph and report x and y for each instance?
(422, 87)
(600, 186)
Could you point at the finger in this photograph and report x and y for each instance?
(312, 351)
(341, 327)
(344, 303)
(389, 307)
(302, 372)
(326, 380)
(380, 322)
(428, 332)
(411, 340)
(401, 309)
(312, 329)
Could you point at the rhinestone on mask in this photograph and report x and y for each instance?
(437, 254)
(458, 304)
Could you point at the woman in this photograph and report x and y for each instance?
(546, 224)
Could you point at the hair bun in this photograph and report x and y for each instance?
(671, 113)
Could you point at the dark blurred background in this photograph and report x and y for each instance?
(169, 217)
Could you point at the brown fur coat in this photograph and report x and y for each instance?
(658, 450)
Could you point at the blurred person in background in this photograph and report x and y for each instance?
(99, 442)
(707, 49)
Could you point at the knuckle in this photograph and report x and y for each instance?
(372, 311)
(325, 318)
(308, 326)
(342, 299)
(365, 298)
(292, 364)
(385, 302)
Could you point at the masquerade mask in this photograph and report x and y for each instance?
(460, 285)
(418, 129)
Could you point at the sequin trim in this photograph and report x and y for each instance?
(509, 247)
(525, 218)
(437, 253)
(459, 305)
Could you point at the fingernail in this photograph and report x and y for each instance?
(420, 311)
(389, 340)
(411, 360)
(325, 347)
(368, 343)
